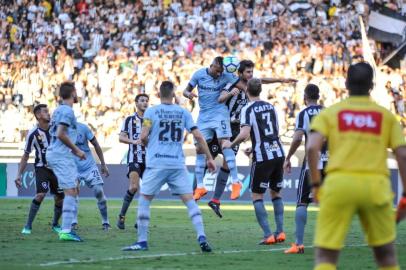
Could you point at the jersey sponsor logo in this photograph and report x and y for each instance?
(360, 121)
(313, 111)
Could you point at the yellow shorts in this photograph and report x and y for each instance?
(344, 195)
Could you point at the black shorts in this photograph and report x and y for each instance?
(304, 189)
(267, 174)
(215, 147)
(45, 180)
(136, 167)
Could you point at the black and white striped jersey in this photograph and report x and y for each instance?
(132, 126)
(303, 121)
(235, 104)
(262, 118)
(39, 139)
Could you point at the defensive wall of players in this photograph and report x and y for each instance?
(115, 184)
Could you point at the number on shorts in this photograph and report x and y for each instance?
(223, 124)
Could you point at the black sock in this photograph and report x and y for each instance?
(33, 212)
(126, 202)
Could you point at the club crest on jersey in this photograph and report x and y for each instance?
(44, 185)
(360, 121)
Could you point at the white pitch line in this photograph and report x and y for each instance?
(153, 256)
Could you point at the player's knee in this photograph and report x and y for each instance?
(39, 197)
(275, 194)
(257, 196)
(98, 192)
(385, 255)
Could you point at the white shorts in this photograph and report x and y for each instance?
(91, 177)
(64, 167)
(177, 180)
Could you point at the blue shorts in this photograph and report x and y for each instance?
(90, 177)
(221, 128)
(64, 167)
(177, 180)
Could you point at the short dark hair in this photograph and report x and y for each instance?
(66, 89)
(312, 91)
(38, 109)
(137, 97)
(254, 87)
(166, 89)
(244, 64)
(360, 78)
(218, 60)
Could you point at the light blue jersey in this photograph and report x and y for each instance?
(63, 115)
(168, 122)
(59, 157)
(209, 90)
(84, 136)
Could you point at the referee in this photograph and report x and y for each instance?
(358, 132)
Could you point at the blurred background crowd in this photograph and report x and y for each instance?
(115, 49)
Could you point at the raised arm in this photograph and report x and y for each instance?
(277, 80)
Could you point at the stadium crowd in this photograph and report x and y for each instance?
(114, 50)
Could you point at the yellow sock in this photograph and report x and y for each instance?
(326, 266)
(396, 267)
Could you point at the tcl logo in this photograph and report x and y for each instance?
(361, 121)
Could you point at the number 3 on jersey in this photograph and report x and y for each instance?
(267, 117)
(170, 131)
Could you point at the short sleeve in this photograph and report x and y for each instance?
(67, 117)
(396, 138)
(124, 126)
(300, 121)
(29, 142)
(320, 124)
(245, 116)
(148, 117)
(89, 134)
(189, 123)
(194, 80)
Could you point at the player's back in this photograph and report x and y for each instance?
(262, 118)
(303, 122)
(63, 115)
(209, 89)
(358, 132)
(168, 122)
(84, 135)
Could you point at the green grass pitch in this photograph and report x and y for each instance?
(172, 240)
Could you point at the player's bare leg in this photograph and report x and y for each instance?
(134, 186)
(326, 259)
(278, 209)
(385, 257)
(229, 157)
(200, 169)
